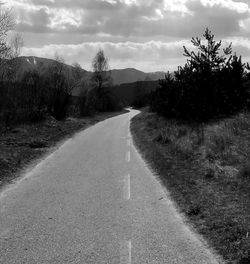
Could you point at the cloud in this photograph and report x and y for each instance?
(147, 34)
(33, 20)
(149, 56)
(146, 56)
(177, 18)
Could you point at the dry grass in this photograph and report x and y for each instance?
(207, 171)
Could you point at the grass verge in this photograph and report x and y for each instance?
(207, 172)
(25, 143)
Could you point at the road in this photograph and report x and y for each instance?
(94, 200)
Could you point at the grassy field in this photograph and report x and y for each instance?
(21, 145)
(207, 171)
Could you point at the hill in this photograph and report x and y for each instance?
(31, 63)
(131, 75)
(127, 82)
(119, 76)
(128, 92)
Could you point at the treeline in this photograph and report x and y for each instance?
(211, 84)
(35, 95)
(40, 94)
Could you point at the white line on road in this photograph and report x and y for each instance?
(128, 156)
(128, 142)
(128, 128)
(126, 191)
(126, 255)
(129, 252)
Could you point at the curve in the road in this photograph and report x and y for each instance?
(95, 201)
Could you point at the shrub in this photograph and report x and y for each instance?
(244, 172)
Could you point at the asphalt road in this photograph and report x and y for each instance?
(95, 201)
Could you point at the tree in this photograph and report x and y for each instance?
(100, 96)
(208, 57)
(16, 45)
(101, 74)
(6, 24)
(77, 70)
(73, 76)
(32, 96)
(6, 106)
(58, 90)
(209, 85)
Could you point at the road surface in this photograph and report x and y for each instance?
(95, 201)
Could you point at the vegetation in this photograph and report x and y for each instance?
(209, 85)
(100, 96)
(197, 138)
(40, 93)
(195, 134)
(207, 173)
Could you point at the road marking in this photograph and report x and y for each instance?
(128, 142)
(126, 191)
(128, 156)
(126, 256)
(129, 252)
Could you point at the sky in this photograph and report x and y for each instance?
(145, 34)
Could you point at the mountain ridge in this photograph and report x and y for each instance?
(119, 76)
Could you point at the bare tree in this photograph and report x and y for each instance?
(100, 97)
(6, 24)
(101, 71)
(77, 70)
(16, 45)
(6, 102)
(73, 76)
(58, 88)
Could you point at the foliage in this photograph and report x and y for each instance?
(208, 85)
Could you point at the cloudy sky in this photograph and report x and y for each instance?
(143, 34)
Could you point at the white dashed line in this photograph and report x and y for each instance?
(126, 255)
(126, 191)
(128, 142)
(129, 252)
(128, 156)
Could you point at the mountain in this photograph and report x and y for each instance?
(119, 76)
(129, 83)
(131, 75)
(125, 81)
(26, 64)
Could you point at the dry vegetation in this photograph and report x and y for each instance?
(206, 168)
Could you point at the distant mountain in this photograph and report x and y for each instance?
(131, 75)
(119, 76)
(30, 63)
(128, 83)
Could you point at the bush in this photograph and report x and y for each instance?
(244, 172)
